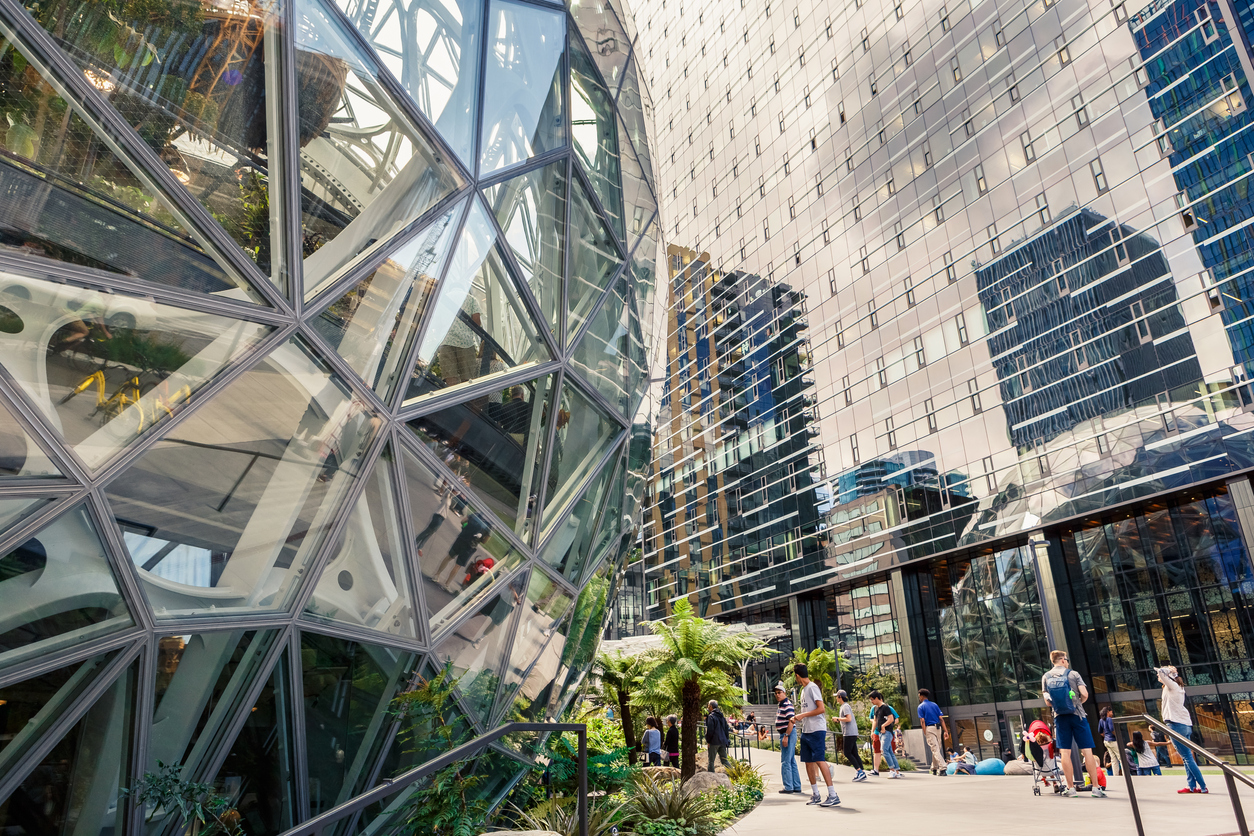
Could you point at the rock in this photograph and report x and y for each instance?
(662, 773)
(720, 770)
(706, 782)
(1018, 768)
(991, 766)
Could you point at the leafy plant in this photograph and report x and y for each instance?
(618, 675)
(561, 816)
(657, 800)
(608, 765)
(746, 775)
(696, 663)
(736, 800)
(198, 804)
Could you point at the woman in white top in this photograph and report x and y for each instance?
(1176, 716)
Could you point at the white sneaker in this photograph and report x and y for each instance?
(831, 801)
(1098, 792)
(1069, 792)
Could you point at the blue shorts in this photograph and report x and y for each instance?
(813, 746)
(1073, 727)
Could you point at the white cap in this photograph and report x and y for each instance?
(779, 686)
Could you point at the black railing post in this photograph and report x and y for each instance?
(1120, 730)
(583, 781)
(1236, 804)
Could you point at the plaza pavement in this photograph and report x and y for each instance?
(920, 803)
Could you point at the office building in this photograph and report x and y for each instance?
(323, 331)
(1019, 233)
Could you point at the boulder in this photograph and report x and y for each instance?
(706, 782)
(991, 766)
(1018, 768)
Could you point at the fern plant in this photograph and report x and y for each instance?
(200, 808)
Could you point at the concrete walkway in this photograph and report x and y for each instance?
(920, 803)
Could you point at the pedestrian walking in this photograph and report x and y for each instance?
(717, 734)
(813, 719)
(884, 725)
(1177, 718)
(786, 725)
(849, 735)
(933, 726)
(1066, 693)
(672, 740)
(876, 754)
(651, 742)
(1106, 726)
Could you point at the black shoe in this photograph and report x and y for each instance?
(789, 792)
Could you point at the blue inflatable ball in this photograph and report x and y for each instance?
(951, 769)
(990, 766)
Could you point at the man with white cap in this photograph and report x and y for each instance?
(787, 729)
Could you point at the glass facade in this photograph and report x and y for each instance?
(1018, 233)
(323, 336)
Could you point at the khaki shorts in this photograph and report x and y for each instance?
(459, 363)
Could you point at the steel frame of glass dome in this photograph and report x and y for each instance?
(121, 665)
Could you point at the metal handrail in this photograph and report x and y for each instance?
(1231, 776)
(316, 825)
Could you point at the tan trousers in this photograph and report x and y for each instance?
(933, 735)
(1116, 759)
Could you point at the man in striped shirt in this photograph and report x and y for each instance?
(787, 729)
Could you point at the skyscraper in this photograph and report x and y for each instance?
(1018, 232)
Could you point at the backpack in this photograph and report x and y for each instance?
(1061, 697)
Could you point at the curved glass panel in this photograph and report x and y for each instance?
(107, 368)
(607, 42)
(570, 545)
(20, 455)
(374, 324)
(461, 552)
(584, 434)
(547, 603)
(531, 209)
(601, 356)
(365, 583)
(594, 258)
(71, 196)
(432, 47)
(366, 170)
(223, 514)
(479, 324)
(57, 590)
(522, 96)
(595, 132)
(496, 448)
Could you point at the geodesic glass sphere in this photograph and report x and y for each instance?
(322, 329)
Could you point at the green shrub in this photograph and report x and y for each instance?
(665, 827)
(743, 774)
(561, 815)
(653, 800)
(736, 800)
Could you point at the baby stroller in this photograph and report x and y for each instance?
(1040, 750)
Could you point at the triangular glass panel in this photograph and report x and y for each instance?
(531, 701)
(106, 368)
(430, 723)
(460, 551)
(57, 590)
(584, 435)
(16, 510)
(28, 708)
(496, 448)
(601, 356)
(76, 787)
(637, 113)
(20, 455)
(432, 47)
(547, 604)
(586, 627)
(637, 354)
(365, 583)
(615, 519)
(531, 209)
(201, 683)
(224, 514)
(644, 277)
(373, 325)
(595, 132)
(70, 196)
(258, 776)
(594, 259)
(479, 325)
(639, 203)
(570, 544)
(606, 40)
(522, 94)
(366, 169)
(477, 648)
(349, 687)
